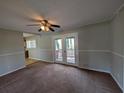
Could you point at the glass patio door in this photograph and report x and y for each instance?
(70, 50)
(58, 50)
(65, 49)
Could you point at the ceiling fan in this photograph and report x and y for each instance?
(45, 26)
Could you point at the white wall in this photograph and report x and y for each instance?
(43, 50)
(118, 48)
(94, 46)
(101, 47)
(11, 51)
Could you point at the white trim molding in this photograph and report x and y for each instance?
(42, 60)
(117, 11)
(106, 51)
(63, 37)
(98, 70)
(12, 71)
(117, 82)
(122, 56)
(117, 54)
(13, 53)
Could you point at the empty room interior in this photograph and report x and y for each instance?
(61, 46)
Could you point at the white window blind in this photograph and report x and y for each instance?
(31, 44)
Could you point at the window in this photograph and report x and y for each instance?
(31, 44)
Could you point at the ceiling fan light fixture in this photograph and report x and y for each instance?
(47, 29)
(44, 28)
(43, 22)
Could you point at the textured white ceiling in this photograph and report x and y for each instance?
(16, 14)
(27, 34)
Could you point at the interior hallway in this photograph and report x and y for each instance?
(29, 61)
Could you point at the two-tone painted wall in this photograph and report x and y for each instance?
(101, 47)
(117, 65)
(11, 51)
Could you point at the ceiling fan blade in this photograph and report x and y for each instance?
(52, 29)
(55, 25)
(33, 25)
(40, 30)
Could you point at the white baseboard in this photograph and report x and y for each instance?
(42, 60)
(12, 71)
(98, 70)
(117, 82)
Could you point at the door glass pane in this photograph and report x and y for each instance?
(70, 50)
(58, 50)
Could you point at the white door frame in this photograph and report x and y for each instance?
(64, 36)
(53, 47)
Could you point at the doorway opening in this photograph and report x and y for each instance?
(29, 44)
